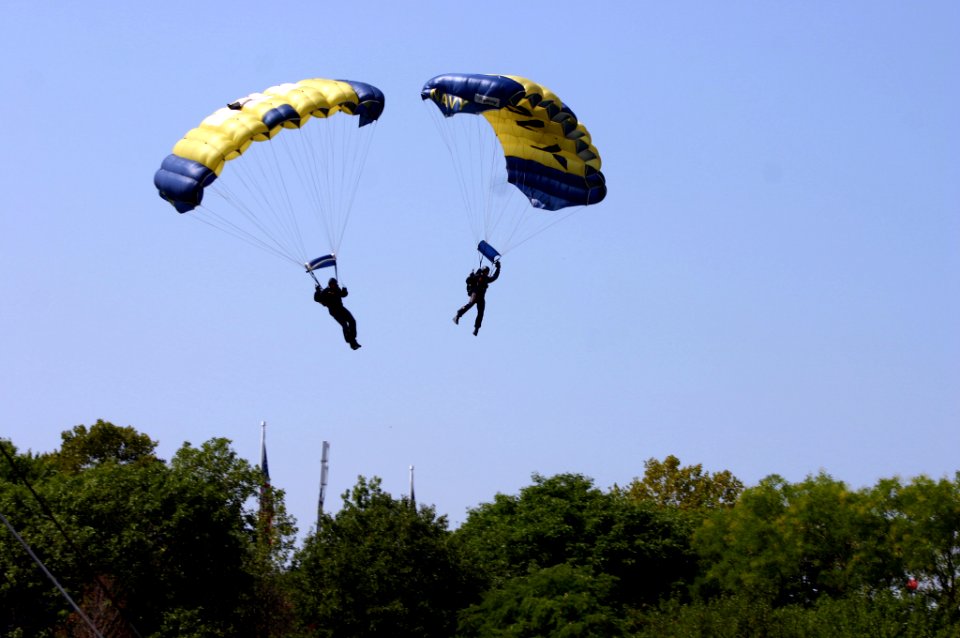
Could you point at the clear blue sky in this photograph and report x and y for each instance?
(771, 286)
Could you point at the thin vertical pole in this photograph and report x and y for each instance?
(323, 480)
(413, 498)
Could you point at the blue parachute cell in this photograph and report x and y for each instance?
(549, 153)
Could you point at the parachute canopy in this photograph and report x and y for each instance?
(549, 153)
(200, 156)
(298, 183)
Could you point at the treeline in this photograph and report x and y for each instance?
(200, 546)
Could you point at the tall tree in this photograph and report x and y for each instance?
(380, 567)
(564, 519)
(669, 484)
(925, 516)
(174, 544)
(83, 448)
(793, 543)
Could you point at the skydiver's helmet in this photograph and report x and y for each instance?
(332, 282)
(485, 270)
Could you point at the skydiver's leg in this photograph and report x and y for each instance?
(481, 306)
(352, 323)
(464, 309)
(349, 325)
(344, 324)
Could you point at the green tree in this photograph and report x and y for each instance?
(563, 601)
(380, 567)
(162, 542)
(881, 615)
(925, 518)
(668, 484)
(793, 543)
(82, 448)
(564, 519)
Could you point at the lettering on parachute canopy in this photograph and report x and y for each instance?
(486, 100)
(447, 102)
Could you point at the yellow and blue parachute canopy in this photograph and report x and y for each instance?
(548, 151)
(200, 156)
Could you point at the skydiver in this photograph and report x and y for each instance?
(477, 283)
(331, 298)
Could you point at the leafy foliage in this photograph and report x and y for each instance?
(793, 543)
(184, 548)
(668, 484)
(562, 600)
(380, 567)
(123, 530)
(566, 520)
(83, 448)
(924, 518)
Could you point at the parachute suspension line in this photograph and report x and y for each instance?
(206, 215)
(343, 185)
(527, 221)
(459, 150)
(554, 219)
(337, 158)
(323, 160)
(361, 162)
(284, 211)
(496, 191)
(496, 210)
(497, 181)
(223, 223)
(258, 203)
(309, 166)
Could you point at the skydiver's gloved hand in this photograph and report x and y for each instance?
(344, 291)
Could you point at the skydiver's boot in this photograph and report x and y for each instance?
(456, 319)
(354, 345)
(476, 329)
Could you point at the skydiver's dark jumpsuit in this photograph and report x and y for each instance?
(332, 298)
(478, 297)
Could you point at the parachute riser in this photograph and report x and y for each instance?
(317, 281)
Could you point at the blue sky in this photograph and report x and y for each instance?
(772, 284)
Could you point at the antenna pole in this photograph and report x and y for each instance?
(323, 480)
(413, 499)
